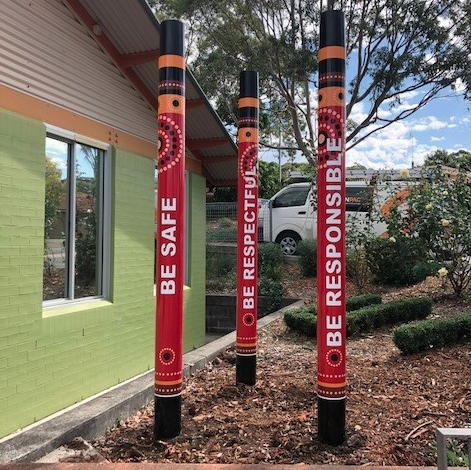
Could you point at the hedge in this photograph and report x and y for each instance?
(303, 319)
(364, 319)
(388, 313)
(434, 333)
(359, 301)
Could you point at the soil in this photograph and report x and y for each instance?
(394, 403)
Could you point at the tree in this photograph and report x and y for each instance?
(268, 175)
(55, 191)
(460, 159)
(396, 48)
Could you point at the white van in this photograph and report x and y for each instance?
(290, 215)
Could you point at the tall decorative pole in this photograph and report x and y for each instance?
(171, 230)
(247, 234)
(331, 279)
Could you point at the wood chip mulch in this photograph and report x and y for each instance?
(394, 402)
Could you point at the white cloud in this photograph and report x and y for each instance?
(430, 123)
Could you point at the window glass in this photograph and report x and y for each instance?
(292, 197)
(73, 238)
(359, 198)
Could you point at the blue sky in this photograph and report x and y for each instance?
(444, 123)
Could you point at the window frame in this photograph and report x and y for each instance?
(104, 214)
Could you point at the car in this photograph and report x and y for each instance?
(290, 216)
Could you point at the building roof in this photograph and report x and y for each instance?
(129, 32)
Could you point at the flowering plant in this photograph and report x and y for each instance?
(439, 213)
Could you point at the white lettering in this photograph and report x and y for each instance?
(332, 298)
(334, 339)
(168, 247)
(167, 287)
(334, 146)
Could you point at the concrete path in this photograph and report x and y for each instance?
(91, 418)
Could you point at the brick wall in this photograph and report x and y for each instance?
(53, 358)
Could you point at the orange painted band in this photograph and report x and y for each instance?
(331, 52)
(332, 96)
(171, 104)
(170, 382)
(172, 60)
(246, 345)
(248, 103)
(248, 134)
(328, 385)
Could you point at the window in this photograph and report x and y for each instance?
(74, 228)
(359, 198)
(295, 196)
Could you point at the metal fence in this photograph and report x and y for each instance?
(221, 222)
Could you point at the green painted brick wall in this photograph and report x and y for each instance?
(195, 297)
(51, 359)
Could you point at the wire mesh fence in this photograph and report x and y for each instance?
(221, 222)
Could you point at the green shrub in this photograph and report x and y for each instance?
(303, 319)
(357, 269)
(391, 261)
(270, 259)
(434, 333)
(307, 252)
(221, 234)
(218, 264)
(423, 269)
(360, 301)
(270, 270)
(226, 222)
(271, 289)
(388, 313)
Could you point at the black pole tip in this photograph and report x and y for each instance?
(249, 84)
(172, 33)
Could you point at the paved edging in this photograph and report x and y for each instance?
(92, 417)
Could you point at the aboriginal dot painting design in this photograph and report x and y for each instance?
(167, 356)
(170, 143)
(330, 125)
(248, 319)
(248, 158)
(334, 358)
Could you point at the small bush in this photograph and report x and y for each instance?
(270, 269)
(359, 301)
(391, 261)
(226, 222)
(221, 234)
(271, 289)
(304, 319)
(218, 264)
(389, 313)
(423, 269)
(434, 333)
(307, 252)
(357, 269)
(270, 259)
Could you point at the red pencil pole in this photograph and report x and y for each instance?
(331, 278)
(170, 232)
(247, 234)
